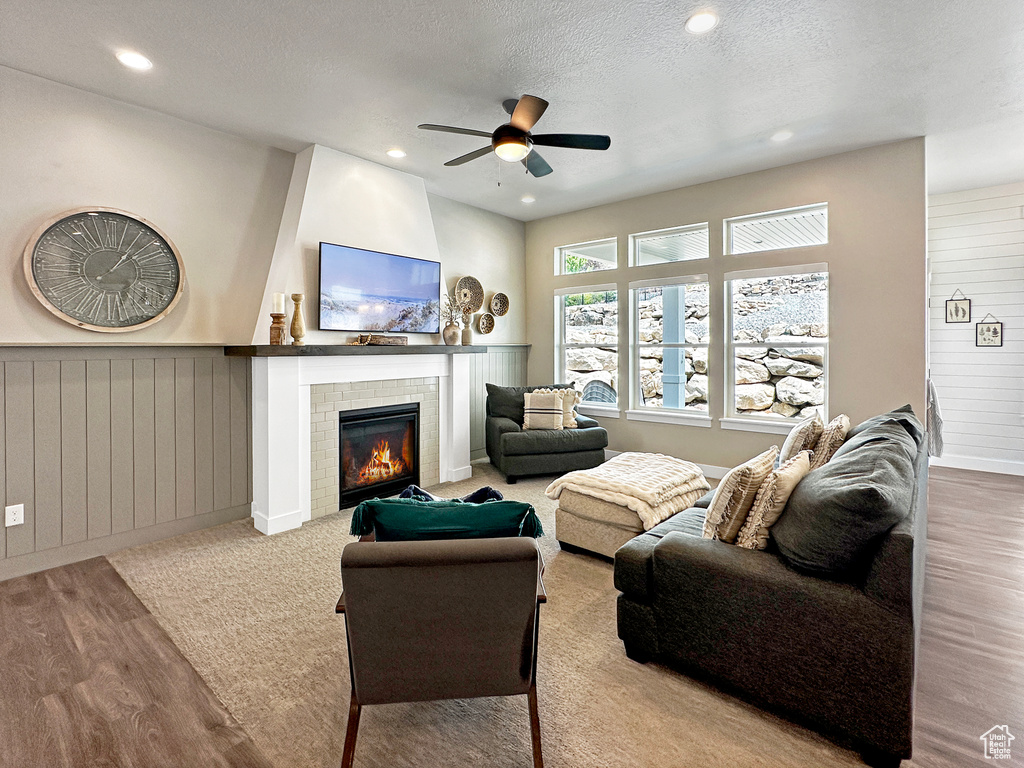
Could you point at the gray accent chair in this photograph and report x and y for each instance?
(518, 452)
(429, 620)
(838, 656)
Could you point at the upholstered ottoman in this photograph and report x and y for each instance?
(594, 524)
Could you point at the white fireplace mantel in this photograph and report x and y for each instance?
(281, 420)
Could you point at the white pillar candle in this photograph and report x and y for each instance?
(279, 303)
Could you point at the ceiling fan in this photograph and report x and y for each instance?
(514, 142)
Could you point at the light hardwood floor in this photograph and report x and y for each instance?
(87, 676)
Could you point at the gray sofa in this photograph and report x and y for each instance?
(835, 653)
(518, 452)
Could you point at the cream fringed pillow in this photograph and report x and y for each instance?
(803, 437)
(831, 438)
(735, 495)
(771, 500)
(543, 410)
(570, 399)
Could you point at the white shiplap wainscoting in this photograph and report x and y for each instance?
(976, 244)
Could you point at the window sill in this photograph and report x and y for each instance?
(600, 411)
(669, 417)
(757, 425)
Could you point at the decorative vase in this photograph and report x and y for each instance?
(467, 336)
(298, 329)
(451, 335)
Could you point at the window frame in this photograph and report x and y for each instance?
(633, 250)
(775, 424)
(561, 374)
(727, 235)
(637, 410)
(559, 256)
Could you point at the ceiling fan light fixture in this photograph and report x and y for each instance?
(511, 144)
(701, 22)
(512, 150)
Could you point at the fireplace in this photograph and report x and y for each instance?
(378, 451)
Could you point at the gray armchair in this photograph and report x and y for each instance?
(428, 620)
(519, 452)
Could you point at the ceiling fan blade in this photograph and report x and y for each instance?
(451, 129)
(527, 112)
(470, 156)
(573, 140)
(536, 164)
(509, 105)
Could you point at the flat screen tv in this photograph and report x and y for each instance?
(364, 290)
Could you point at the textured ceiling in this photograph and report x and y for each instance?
(359, 77)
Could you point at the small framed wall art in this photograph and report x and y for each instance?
(958, 310)
(988, 333)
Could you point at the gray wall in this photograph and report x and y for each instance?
(501, 365)
(111, 447)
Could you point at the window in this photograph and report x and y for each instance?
(791, 228)
(670, 343)
(663, 245)
(586, 257)
(777, 342)
(588, 348)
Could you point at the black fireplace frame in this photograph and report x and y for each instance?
(389, 487)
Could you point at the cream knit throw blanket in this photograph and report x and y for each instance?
(651, 484)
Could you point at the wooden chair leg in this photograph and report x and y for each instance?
(350, 734)
(538, 758)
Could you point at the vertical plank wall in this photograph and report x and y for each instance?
(976, 244)
(110, 447)
(501, 365)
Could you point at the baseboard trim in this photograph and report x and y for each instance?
(83, 550)
(461, 473)
(978, 465)
(278, 523)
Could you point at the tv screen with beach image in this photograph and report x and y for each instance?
(364, 290)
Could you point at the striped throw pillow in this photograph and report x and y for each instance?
(570, 399)
(771, 500)
(735, 495)
(831, 439)
(543, 410)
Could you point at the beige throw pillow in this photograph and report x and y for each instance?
(771, 500)
(803, 437)
(831, 438)
(570, 399)
(543, 410)
(735, 495)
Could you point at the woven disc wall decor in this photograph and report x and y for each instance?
(499, 304)
(470, 294)
(486, 322)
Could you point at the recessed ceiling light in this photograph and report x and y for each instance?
(134, 60)
(397, 153)
(780, 136)
(701, 22)
(528, 199)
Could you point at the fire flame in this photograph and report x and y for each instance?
(381, 466)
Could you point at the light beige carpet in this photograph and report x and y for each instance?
(255, 616)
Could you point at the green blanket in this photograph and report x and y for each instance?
(411, 519)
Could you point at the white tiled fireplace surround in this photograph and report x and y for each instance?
(296, 401)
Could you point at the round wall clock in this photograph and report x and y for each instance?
(104, 270)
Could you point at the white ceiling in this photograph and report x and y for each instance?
(359, 77)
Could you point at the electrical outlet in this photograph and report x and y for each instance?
(15, 515)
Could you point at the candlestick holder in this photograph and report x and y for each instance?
(278, 332)
(298, 324)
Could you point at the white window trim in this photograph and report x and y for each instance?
(632, 252)
(684, 414)
(771, 425)
(690, 418)
(607, 410)
(560, 265)
(727, 232)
